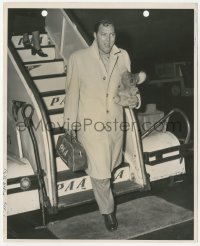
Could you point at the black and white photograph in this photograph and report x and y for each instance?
(101, 122)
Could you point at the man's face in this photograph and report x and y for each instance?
(105, 38)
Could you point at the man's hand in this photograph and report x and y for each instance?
(128, 97)
(70, 133)
(133, 102)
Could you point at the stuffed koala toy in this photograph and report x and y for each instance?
(127, 90)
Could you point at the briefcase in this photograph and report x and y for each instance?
(71, 151)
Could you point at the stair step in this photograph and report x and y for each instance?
(26, 56)
(75, 199)
(82, 196)
(49, 76)
(18, 40)
(121, 173)
(52, 93)
(56, 111)
(58, 131)
(50, 84)
(43, 68)
(54, 102)
(67, 175)
(57, 120)
(56, 137)
(77, 189)
(60, 165)
(46, 61)
(43, 47)
(126, 187)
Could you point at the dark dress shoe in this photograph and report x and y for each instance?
(39, 52)
(27, 45)
(110, 221)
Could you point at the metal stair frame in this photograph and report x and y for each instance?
(45, 119)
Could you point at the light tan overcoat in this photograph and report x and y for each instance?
(89, 101)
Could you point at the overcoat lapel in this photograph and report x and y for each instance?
(114, 55)
(95, 53)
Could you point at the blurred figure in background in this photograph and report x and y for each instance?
(35, 49)
(27, 21)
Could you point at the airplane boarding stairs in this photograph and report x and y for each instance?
(47, 76)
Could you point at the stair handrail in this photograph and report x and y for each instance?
(68, 13)
(44, 114)
(166, 118)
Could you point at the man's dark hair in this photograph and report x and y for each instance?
(104, 23)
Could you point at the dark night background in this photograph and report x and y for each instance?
(167, 35)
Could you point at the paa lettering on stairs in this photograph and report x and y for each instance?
(82, 184)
